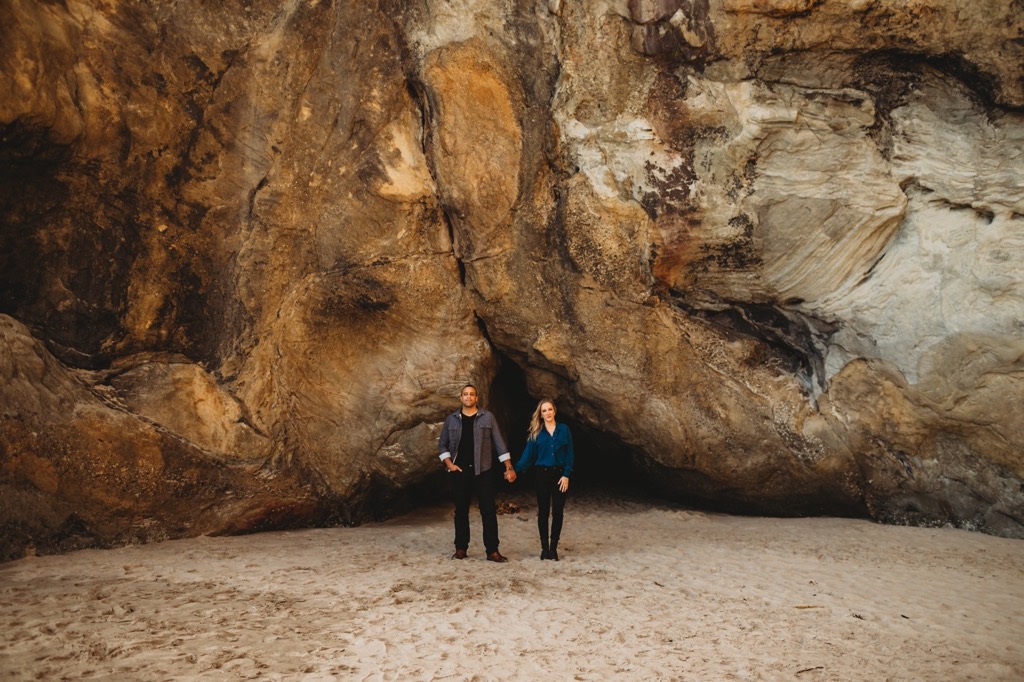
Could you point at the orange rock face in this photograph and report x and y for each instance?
(765, 254)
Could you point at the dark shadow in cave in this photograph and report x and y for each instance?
(606, 466)
(603, 464)
(30, 200)
(65, 255)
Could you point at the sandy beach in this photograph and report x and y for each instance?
(644, 590)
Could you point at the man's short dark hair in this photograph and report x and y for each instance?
(469, 386)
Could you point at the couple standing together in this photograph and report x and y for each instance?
(469, 440)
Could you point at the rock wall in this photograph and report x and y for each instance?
(772, 250)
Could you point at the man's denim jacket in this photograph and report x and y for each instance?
(486, 436)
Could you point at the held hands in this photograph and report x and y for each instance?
(563, 484)
(510, 475)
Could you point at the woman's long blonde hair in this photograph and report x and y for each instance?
(536, 421)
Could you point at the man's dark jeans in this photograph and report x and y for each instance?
(464, 484)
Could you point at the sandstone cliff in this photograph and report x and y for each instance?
(768, 253)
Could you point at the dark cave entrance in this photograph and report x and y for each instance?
(605, 467)
(603, 463)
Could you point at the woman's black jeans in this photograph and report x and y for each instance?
(550, 500)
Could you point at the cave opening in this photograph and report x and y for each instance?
(603, 463)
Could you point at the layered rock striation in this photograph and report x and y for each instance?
(767, 254)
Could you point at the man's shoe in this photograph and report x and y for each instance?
(496, 557)
(553, 554)
(459, 554)
(543, 554)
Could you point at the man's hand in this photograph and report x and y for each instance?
(510, 475)
(452, 468)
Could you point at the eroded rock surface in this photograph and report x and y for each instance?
(771, 251)
(80, 469)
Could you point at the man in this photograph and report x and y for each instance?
(469, 440)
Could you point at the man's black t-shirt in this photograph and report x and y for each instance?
(466, 443)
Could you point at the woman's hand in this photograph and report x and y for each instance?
(563, 484)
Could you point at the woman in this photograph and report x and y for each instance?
(549, 451)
